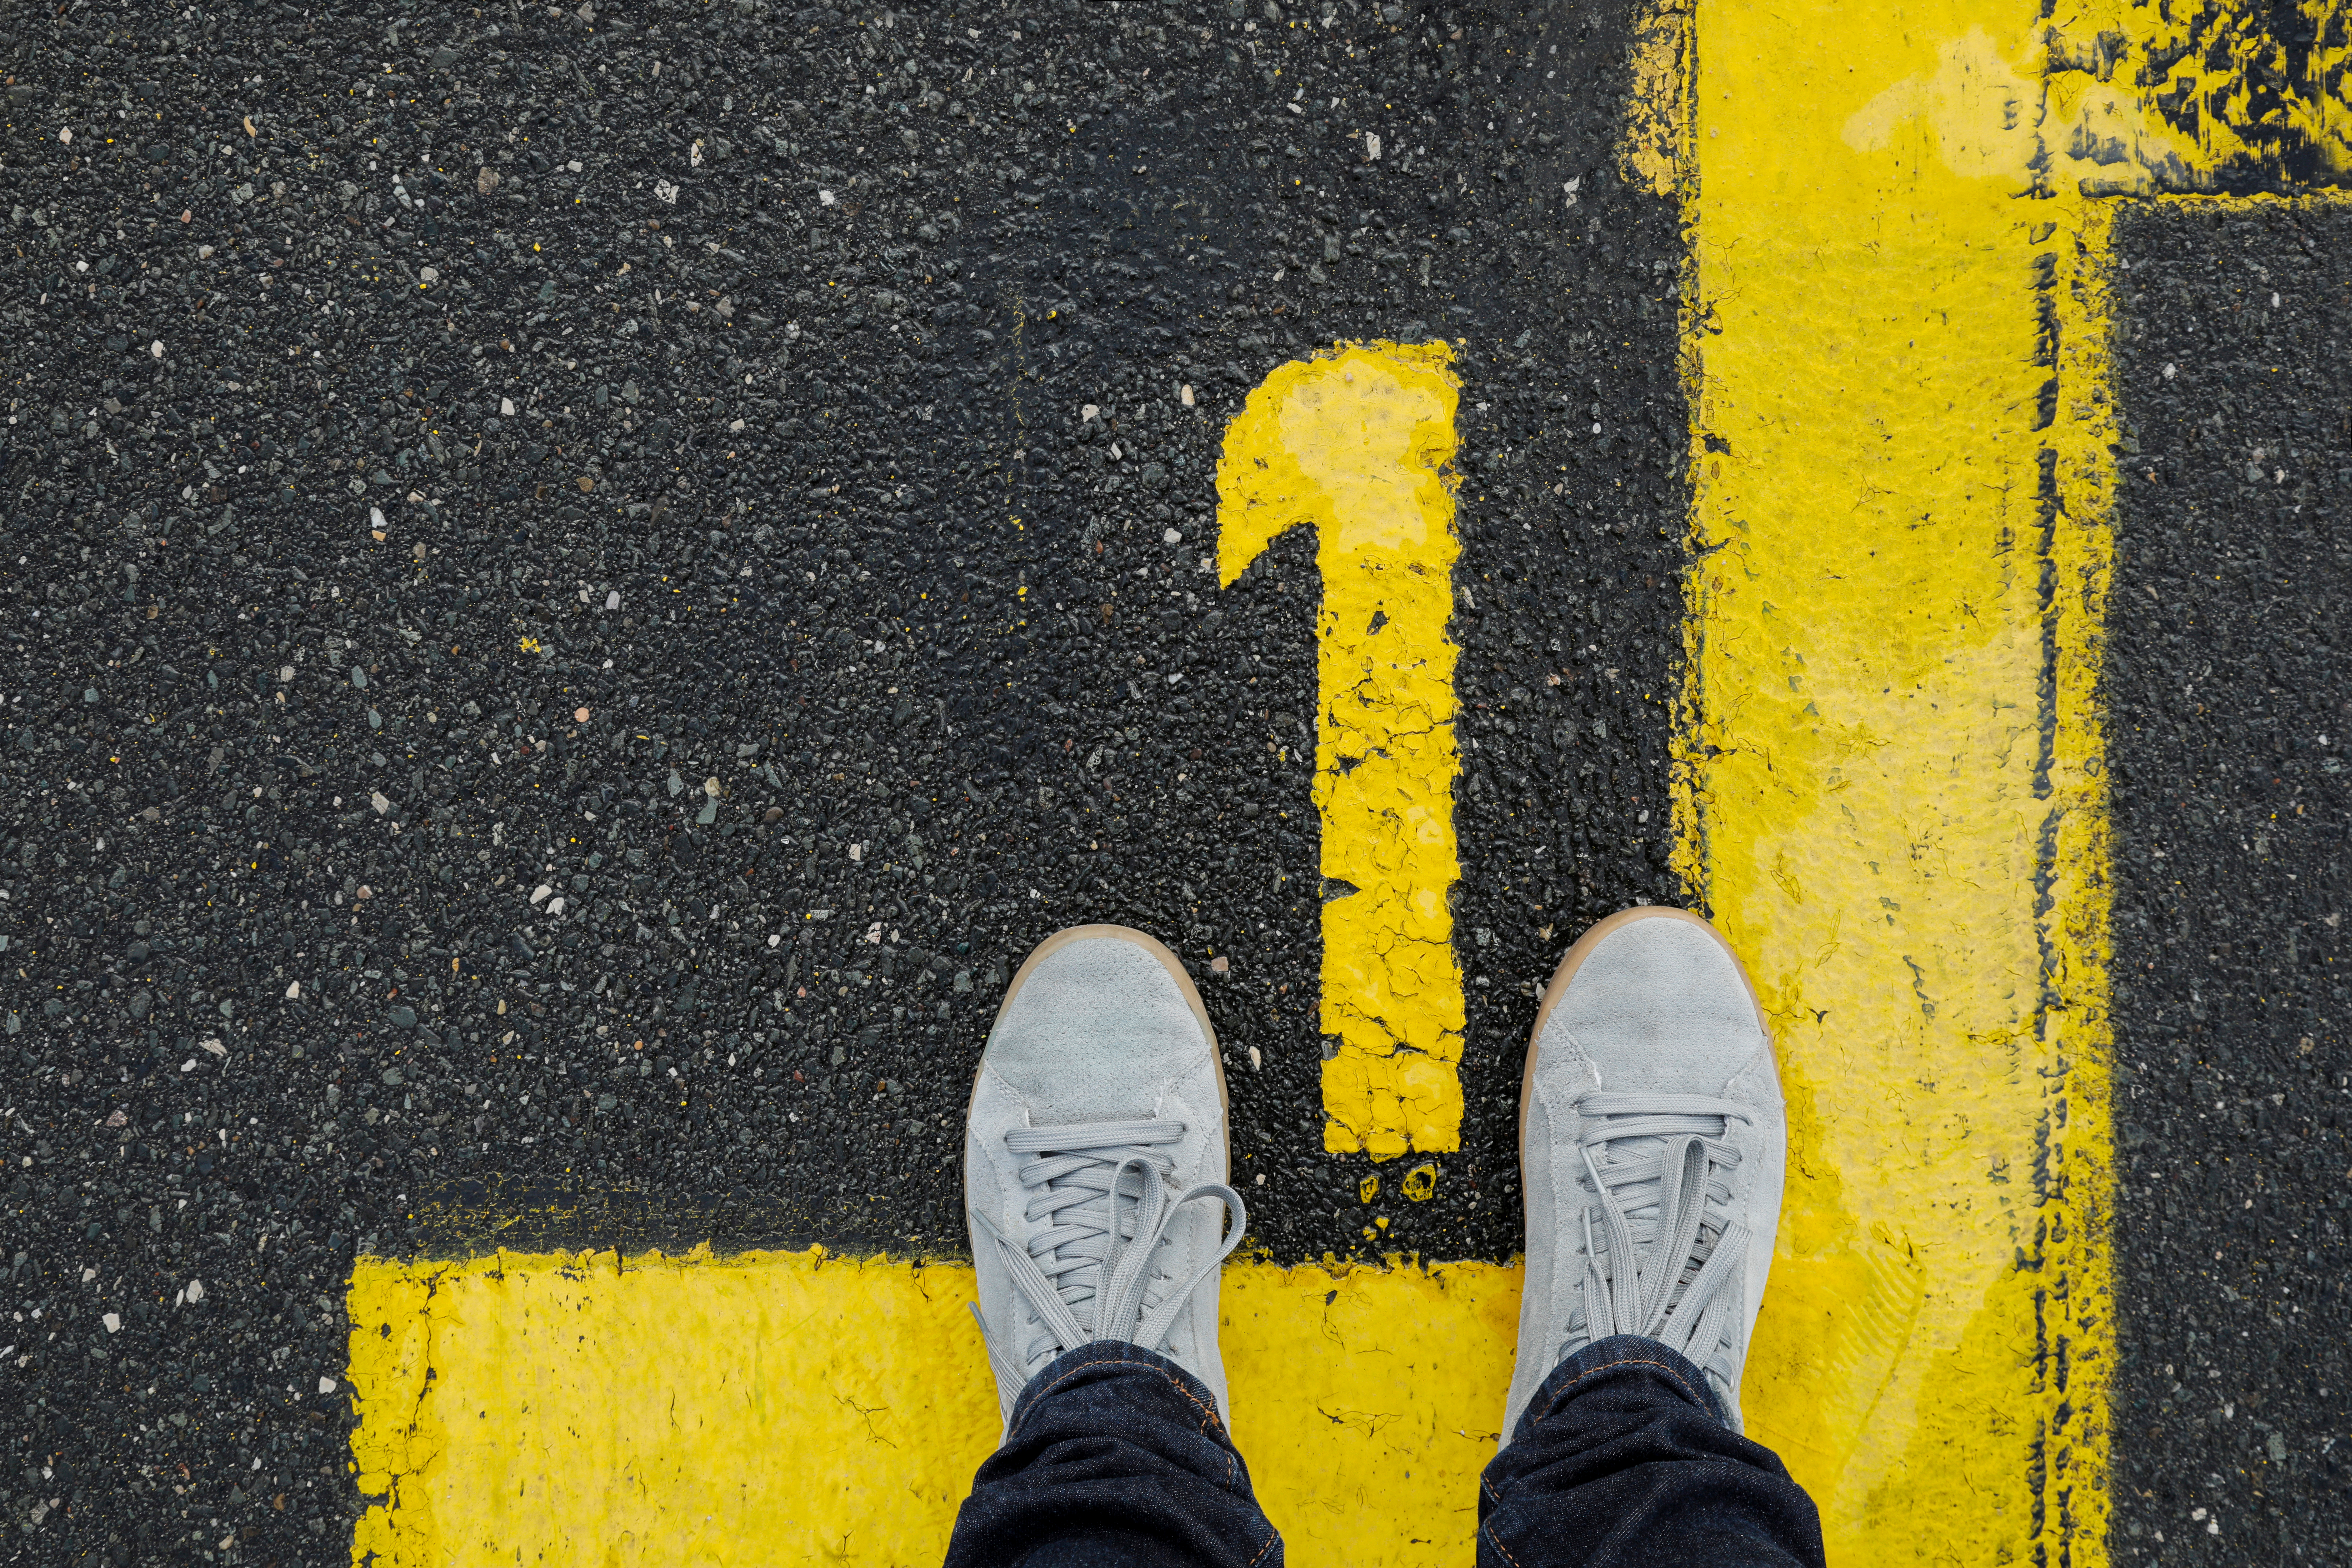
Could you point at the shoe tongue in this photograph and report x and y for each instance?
(1643, 1204)
(1092, 1277)
(1640, 1200)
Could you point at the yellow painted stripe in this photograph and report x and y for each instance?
(1353, 443)
(1891, 773)
(789, 1407)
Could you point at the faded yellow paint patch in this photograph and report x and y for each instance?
(1892, 802)
(1354, 443)
(774, 1408)
(2109, 98)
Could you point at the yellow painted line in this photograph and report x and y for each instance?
(1891, 779)
(1354, 445)
(789, 1407)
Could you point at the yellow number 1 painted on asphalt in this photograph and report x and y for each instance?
(1354, 443)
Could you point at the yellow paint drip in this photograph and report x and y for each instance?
(1890, 799)
(1354, 443)
(786, 1407)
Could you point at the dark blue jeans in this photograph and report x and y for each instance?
(1621, 1460)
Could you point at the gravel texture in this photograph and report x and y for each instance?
(2228, 733)
(461, 464)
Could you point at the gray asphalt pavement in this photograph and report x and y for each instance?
(2228, 731)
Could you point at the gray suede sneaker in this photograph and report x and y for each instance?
(1652, 1143)
(1095, 1161)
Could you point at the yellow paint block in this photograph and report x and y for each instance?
(1891, 768)
(1354, 443)
(775, 1407)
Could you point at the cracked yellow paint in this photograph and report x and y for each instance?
(1891, 798)
(1654, 130)
(1354, 443)
(789, 1407)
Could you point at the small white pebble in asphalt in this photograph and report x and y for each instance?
(196, 1290)
(156, 348)
(377, 799)
(1256, 1063)
(66, 136)
(113, 1323)
(539, 894)
(506, 407)
(612, 600)
(294, 992)
(326, 1386)
(1172, 537)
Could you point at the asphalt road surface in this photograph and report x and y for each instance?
(742, 474)
(2227, 737)
(459, 466)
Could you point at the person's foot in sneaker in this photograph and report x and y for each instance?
(1652, 1144)
(1095, 1161)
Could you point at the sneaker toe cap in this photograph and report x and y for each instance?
(1659, 1004)
(1098, 1030)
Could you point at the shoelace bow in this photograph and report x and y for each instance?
(1087, 1272)
(1669, 1261)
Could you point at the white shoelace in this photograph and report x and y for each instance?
(1101, 1204)
(1668, 1261)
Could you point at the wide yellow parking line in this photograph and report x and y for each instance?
(1892, 800)
(784, 1407)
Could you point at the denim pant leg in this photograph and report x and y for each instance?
(1115, 1456)
(1622, 1461)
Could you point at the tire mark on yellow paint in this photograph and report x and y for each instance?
(1892, 769)
(1354, 443)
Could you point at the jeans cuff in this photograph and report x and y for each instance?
(1666, 1368)
(1101, 1358)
